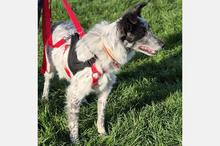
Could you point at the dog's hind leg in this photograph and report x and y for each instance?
(47, 77)
(72, 108)
(48, 74)
(80, 87)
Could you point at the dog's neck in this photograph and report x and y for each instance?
(92, 44)
(110, 38)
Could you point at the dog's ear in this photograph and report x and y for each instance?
(129, 19)
(137, 8)
(126, 22)
(135, 11)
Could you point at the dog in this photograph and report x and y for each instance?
(108, 46)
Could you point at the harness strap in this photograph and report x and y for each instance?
(76, 23)
(96, 75)
(57, 45)
(65, 67)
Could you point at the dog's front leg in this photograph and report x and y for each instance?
(102, 101)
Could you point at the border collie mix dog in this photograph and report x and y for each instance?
(90, 63)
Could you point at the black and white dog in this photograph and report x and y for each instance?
(105, 48)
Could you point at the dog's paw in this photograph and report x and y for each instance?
(74, 140)
(103, 135)
(84, 101)
(44, 98)
(102, 131)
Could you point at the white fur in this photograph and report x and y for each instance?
(80, 83)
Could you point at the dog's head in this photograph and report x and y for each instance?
(135, 32)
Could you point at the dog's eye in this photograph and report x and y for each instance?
(145, 30)
(130, 28)
(130, 38)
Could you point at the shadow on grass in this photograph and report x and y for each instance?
(165, 77)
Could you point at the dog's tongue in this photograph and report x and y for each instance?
(148, 50)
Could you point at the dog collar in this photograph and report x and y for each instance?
(111, 55)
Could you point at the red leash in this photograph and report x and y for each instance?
(47, 38)
(46, 29)
(78, 27)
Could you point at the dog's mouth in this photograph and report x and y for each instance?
(148, 50)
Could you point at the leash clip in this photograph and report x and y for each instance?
(80, 32)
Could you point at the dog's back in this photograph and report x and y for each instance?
(57, 57)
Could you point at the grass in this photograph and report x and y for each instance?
(145, 105)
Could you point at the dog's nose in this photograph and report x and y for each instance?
(161, 43)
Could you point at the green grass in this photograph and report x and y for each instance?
(145, 105)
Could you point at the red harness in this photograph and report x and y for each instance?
(96, 75)
(65, 67)
(46, 29)
(95, 72)
(47, 38)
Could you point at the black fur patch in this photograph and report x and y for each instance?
(130, 27)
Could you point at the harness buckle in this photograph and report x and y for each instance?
(80, 32)
(89, 62)
(66, 38)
